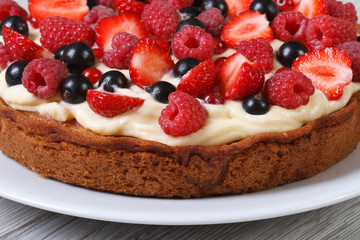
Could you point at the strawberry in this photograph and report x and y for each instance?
(329, 70)
(73, 9)
(239, 78)
(21, 47)
(129, 6)
(107, 28)
(312, 8)
(149, 62)
(199, 80)
(245, 26)
(109, 104)
(237, 6)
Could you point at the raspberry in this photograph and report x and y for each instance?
(258, 50)
(289, 89)
(160, 18)
(325, 31)
(5, 57)
(58, 31)
(97, 13)
(183, 115)
(129, 6)
(119, 57)
(342, 10)
(192, 41)
(213, 20)
(9, 8)
(180, 4)
(107, 3)
(352, 49)
(289, 26)
(43, 77)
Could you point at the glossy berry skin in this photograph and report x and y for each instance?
(93, 74)
(267, 7)
(16, 23)
(14, 73)
(358, 39)
(74, 88)
(161, 90)
(189, 12)
(92, 3)
(78, 56)
(189, 22)
(60, 52)
(256, 105)
(112, 79)
(184, 65)
(220, 4)
(289, 51)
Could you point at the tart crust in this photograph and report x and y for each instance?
(67, 152)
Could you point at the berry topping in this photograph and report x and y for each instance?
(16, 23)
(78, 56)
(239, 78)
(256, 104)
(107, 28)
(194, 42)
(213, 21)
(93, 74)
(58, 31)
(326, 31)
(258, 50)
(190, 22)
(149, 62)
(219, 46)
(109, 104)
(5, 57)
(213, 97)
(180, 4)
(189, 12)
(120, 54)
(22, 48)
(60, 52)
(220, 4)
(311, 8)
(285, 5)
(342, 10)
(129, 6)
(160, 18)
(98, 13)
(10, 8)
(245, 26)
(112, 79)
(199, 80)
(14, 73)
(43, 77)
(107, 3)
(289, 51)
(329, 70)
(92, 3)
(352, 49)
(74, 88)
(267, 7)
(73, 9)
(161, 90)
(184, 65)
(289, 89)
(183, 115)
(289, 26)
(237, 6)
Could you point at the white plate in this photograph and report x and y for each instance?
(337, 184)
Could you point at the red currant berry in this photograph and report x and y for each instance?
(92, 74)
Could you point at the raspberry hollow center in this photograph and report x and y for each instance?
(192, 43)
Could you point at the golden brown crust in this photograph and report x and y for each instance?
(72, 154)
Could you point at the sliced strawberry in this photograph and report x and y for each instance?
(237, 6)
(199, 80)
(107, 28)
(329, 70)
(245, 26)
(109, 104)
(129, 6)
(149, 62)
(73, 9)
(312, 8)
(21, 47)
(239, 78)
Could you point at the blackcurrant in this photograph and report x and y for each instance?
(160, 91)
(190, 22)
(60, 52)
(112, 79)
(16, 23)
(78, 56)
(358, 38)
(197, 3)
(220, 4)
(256, 105)
(184, 65)
(267, 7)
(189, 12)
(92, 3)
(289, 51)
(14, 72)
(74, 88)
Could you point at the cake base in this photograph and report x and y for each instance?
(69, 153)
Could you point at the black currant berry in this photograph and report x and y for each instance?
(220, 4)
(190, 22)
(184, 65)
(92, 3)
(358, 38)
(60, 52)
(14, 72)
(189, 12)
(112, 79)
(16, 23)
(78, 56)
(160, 91)
(267, 7)
(256, 105)
(74, 88)
(289, 51)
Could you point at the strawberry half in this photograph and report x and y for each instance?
(73, 9)
(239, 78)
(237, 6)
(107, 28)
(109, 104)
(312, 8)
(149, 62)
(21, 47)
(245, 26)
(329, 70)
